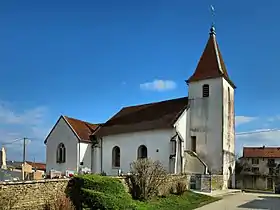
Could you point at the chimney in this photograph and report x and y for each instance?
(3, 158)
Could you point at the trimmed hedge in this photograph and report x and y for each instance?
(99, 192)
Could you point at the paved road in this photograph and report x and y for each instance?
(246, 201)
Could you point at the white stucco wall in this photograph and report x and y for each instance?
(205, 121)
(61, 134)
(85, 154)
(154, 140)
(181, 128)
(229, 131)
(181, 125)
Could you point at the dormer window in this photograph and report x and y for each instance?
(205, 90)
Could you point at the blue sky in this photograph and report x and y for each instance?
(89, 59)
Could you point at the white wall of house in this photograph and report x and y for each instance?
(62, 133)
(85, 154)
(205, 121)
(156, 141)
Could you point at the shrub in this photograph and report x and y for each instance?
(181, 187)
(59, 202)
(103, 173)
(100, 200)
(146, 178)
(98, 192)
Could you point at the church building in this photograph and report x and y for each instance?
(193, 134)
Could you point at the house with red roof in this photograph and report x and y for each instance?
(192, 134)
(260, 167)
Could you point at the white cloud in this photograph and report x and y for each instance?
(29, 123)
(159, 85)
(243, 119)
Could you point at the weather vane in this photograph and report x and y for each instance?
(212, 14)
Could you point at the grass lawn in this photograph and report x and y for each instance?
(189, 200)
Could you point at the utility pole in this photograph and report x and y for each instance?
(24, 149)
(23, 160)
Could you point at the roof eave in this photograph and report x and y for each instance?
(212, 77)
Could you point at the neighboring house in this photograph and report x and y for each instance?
(193, 134)
(69, 146)
(260, 167)
(11, 170)
(17, 166)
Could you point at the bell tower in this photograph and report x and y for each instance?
(211, 111)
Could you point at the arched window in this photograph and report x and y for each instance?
(116, 157)
(142, 152)
(61, 153)
(205, 90)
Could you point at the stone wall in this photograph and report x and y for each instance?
(30, 194)
(210, 182)
(217, 182)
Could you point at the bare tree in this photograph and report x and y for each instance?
(146, 177)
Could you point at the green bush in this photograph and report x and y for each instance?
(100, 200)
(99, 192)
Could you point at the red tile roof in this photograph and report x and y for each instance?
(150, 116)
(261, 152)
(211, 63)
(82, 128)
(39, 166)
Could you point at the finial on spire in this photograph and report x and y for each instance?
(212, 29)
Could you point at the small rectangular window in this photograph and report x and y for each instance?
(193, 143)
(255, 161)
(255, 170)
(205, 90)
(271, 171)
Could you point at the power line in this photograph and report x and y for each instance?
(254, 132)
(16, 140)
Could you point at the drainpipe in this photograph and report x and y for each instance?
(101, 153)
(79, 161)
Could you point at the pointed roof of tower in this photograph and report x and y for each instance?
(211, 63)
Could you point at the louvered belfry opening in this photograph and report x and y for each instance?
(205, 90)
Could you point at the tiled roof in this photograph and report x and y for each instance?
(150, 116)
(17, 164)
(211, 63)
(39, 166)
(83, 129)
(261, 152)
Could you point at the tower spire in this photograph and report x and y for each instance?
(211, 63)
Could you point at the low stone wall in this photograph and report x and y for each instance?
(211, 182)
(217, 182)
(30, 194)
